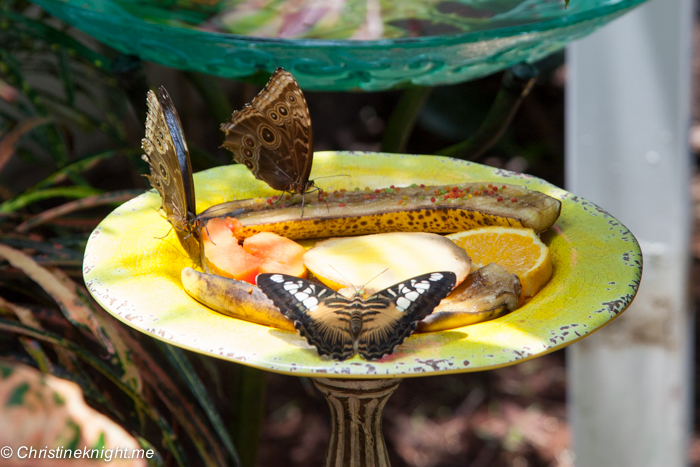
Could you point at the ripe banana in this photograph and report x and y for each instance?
(233, 298)
(438, 209)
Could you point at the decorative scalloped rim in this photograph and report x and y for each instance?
(133, 272)
(339, 70)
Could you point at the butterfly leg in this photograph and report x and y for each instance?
(321, 197)
(166, 234)
(356, 420)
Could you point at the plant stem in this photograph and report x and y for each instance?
(249, 403)
(129, 72)
(403, 119)
(516, 85)
(211, 93)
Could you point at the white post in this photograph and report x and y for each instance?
(628, 112)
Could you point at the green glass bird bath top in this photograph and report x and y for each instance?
(438, 42)
(133, 262)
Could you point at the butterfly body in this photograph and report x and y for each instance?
(340, 327)
(273, 137)
(170, 166)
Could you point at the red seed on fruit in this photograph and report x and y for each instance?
(432, 199)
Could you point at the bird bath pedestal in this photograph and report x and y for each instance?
(133, 262)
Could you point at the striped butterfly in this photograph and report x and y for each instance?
(341, 327)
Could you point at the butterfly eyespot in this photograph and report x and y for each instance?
(249, 142)
(282, 109)
(249, 165)
(274, 116)
(267, 134)
(291, 98)
(247, 152)
(163, 171)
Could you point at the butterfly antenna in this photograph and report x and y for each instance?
(330, 176)
(343, 276)
(351, 284)
(166, 234)
(375, 277)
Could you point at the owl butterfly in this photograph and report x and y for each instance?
(272, 136)
(341, 327)
(171, 170)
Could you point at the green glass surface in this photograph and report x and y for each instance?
(438, 45)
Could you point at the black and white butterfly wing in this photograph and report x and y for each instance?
(391, 315)
(169, 161)
(272, 135)
(320, 315)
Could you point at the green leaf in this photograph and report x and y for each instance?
(169, 437)
(17, 395)
(115, 197)
(177, 358)
(60, 40)
(28, 198)
(79, 167)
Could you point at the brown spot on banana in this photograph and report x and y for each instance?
(441, 209)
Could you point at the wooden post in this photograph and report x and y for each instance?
(356, 420)
(628, 111)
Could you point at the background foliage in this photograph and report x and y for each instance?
(71, 120)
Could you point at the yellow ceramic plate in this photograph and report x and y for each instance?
(133, 262)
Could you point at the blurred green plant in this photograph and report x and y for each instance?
(56, 86)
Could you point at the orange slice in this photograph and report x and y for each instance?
(518, 251)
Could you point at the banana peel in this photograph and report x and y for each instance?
(233, 298)
(437, 209)
(486, 294)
